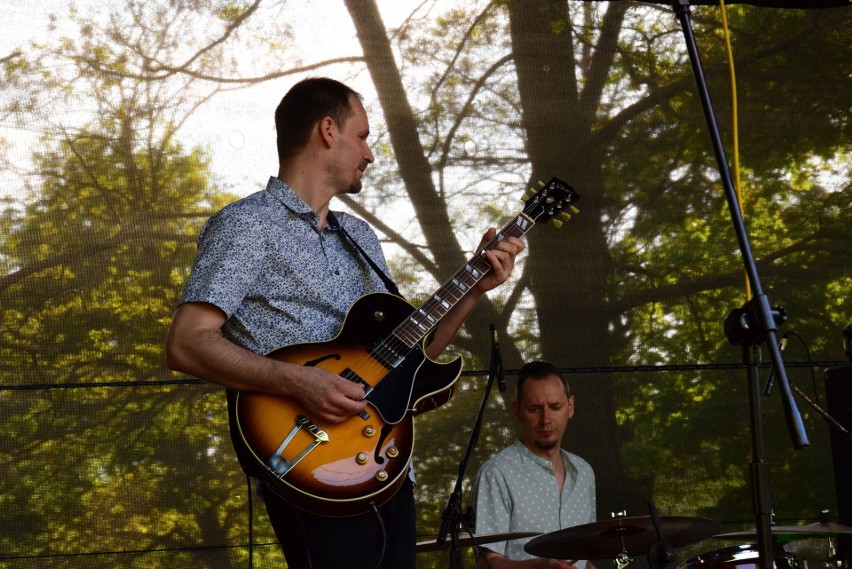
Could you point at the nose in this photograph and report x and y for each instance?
(369, 155)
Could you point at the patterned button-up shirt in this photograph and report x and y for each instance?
(278, 279)
(516, 491)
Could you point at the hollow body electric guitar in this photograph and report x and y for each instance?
(347, 468)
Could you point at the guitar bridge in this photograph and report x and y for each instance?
(281, 465)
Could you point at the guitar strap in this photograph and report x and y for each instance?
(389, 284)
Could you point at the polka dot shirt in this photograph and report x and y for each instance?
(516, 491)
(278, 278)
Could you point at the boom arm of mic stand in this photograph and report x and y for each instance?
(452, 516)
(763, 307)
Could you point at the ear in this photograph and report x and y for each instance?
(327, 129)
(570, 407)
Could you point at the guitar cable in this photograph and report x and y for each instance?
(250, 489)
(381, 522)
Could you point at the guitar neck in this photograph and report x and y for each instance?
(413, 329)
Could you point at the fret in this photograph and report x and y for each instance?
(459, 284)
(415, 328)
(406, 335)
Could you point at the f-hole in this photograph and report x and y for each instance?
(319, 360)
(382, 436)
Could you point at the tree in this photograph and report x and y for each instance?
(94, 263)
(476, 103)
(602, 92)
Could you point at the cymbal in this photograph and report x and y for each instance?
(469, 540)
(606, 539)
(789, 533)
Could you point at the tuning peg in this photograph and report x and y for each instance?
(565, 216)
(529, 193)
(556, 223)
(540, 184)
(575, 210)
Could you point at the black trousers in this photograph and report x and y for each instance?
(317, 542)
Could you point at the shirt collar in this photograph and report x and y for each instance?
(543, 462)
(297, 205)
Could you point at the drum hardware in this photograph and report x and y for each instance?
(622, 560)
(661, 555)
(469, 539)
(740, 557)
(786, 534)
(783, 534)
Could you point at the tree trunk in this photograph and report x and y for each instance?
(569, 270)
(415, 170)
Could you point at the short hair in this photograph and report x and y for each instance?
(305, 104)
(539, 370)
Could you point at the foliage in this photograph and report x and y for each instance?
(650, 264)
(108, 452)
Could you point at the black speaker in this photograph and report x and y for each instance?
(838, 393)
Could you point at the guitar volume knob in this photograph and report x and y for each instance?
(362, 458)
(382, 475)
(393, 452)
(369, 431)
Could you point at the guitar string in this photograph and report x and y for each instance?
(405, 337)
(410, 332)
(539, 199)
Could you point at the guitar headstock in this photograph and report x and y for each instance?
(551, 202)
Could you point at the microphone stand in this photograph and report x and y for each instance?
(752, 324)
(452, 518)
(661, 555)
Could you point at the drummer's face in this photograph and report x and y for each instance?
(543, 412)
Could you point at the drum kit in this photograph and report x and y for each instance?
(622, 537)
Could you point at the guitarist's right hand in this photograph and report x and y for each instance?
(326, 395)
(195, 346)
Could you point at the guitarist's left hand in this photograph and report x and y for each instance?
(501, 257)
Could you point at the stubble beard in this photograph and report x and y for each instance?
(356, 185)
(546, 445)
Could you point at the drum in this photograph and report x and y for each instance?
(739, 557)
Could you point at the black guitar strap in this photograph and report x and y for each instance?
(389, 284)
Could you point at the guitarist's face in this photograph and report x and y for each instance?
(543, 412)
(352, 153)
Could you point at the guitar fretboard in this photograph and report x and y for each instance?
(413, 329)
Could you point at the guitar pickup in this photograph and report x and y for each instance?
(281, 465)
(386, 355)
(355, 378)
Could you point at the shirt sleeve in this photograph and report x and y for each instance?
(493, 507)
(593, 516)
(230, 254)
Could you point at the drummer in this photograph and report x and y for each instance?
(534, 485)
